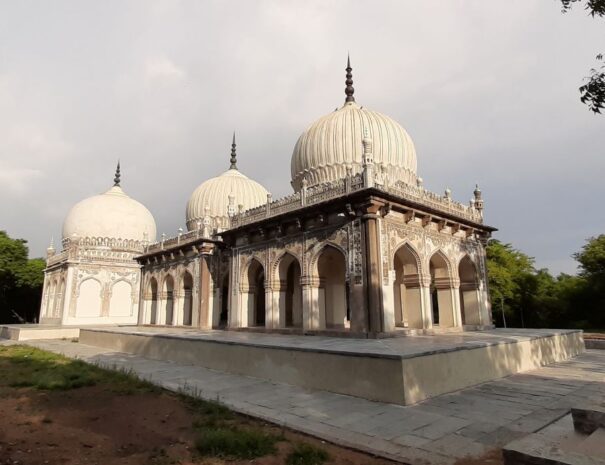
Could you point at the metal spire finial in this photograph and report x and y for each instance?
(116, 179)
(233, 154)
(349, 90)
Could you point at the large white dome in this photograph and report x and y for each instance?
(110, 215)
(334, 143)
(211, 198)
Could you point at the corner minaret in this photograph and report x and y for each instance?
(233, 154)
(349, 90)
(116, 179)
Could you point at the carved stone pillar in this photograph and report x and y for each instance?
(271, 305)
(205, 289)
(310, 288)
(373, 281)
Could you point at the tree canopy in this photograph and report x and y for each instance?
(524, 296)
(21, 281)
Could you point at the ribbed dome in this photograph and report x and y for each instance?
(113, 215)
(334, 142)
(211, 198)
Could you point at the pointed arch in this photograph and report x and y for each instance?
(253, 292)
(153, 301)
(443, 301)
(168, 298)
(120, 302)
(329, 266)
(186, 287)
(407, 291)
(89, 298)
(287, 272)
(469, 291)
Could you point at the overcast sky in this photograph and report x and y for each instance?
(486, 89)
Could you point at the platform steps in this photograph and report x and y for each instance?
(578, 438)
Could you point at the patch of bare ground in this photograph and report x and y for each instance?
(100, 424)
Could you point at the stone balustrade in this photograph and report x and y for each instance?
(327, 191)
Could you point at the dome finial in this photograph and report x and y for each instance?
(116, 179)
(349, 90)
(233, 154)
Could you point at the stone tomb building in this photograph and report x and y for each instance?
(359, 248)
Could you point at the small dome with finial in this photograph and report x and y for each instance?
(112, 214)
(213, 197)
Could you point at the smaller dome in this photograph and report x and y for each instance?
(112, 214)
(211, 198)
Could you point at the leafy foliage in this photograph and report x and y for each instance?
(21, 280)
(593, 92)
(526, 297)
(594, 7)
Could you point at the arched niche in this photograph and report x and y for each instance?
(169, 300)
(288, 272)
(254, 293)
(89, 299)
(187, 303)
(332, 295)
(120, 303)
(469, 292)
(442, 299)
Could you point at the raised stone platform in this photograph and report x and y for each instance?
(28, 332)
(403, 370)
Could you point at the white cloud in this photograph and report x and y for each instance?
(162, 69)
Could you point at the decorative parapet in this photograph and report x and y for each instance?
(57, 258)
(180, 239)
(331, 190)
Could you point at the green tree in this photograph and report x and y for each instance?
(21, 280)
(592, 93)
(592, 258)
(510, 272)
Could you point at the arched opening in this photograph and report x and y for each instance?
(62, 299)
(442, 302)
(290, 292)
(51, 300)
(187, 300)
(153, 308)
(255, 276)
(331, 269)
(407, 294)
(169, 296)
(89, 300)
(469, 292)
(223, 320)
(120, 303)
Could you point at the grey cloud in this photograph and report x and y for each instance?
(487, 91)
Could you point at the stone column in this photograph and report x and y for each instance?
(426, 308)
(310, 302)
(371, 257)
(486, 304)
(205, 289)
(271, 309)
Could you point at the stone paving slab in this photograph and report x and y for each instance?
(438, 431)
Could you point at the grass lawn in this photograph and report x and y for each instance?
(58, 410)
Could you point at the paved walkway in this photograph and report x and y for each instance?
(438, 431)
